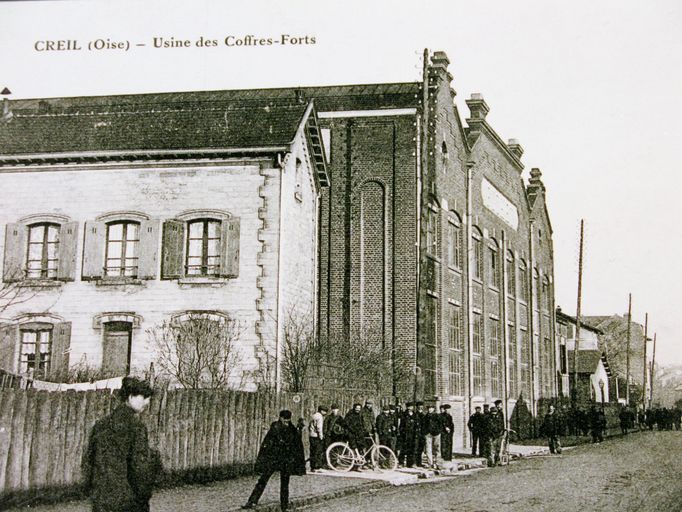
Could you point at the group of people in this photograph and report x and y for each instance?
(487, 429)
(411, 433)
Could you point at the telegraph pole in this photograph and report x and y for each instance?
(646, 326)
(627, 352)
(577, 317)
(653, 362)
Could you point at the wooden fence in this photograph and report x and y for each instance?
(43, 434)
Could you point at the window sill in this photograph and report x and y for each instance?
(118, 281)
(41, 283)
(203, 280)
(455, 269)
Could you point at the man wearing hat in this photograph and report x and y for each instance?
(476, 426)
(386, 428)
(334, 426)
(448, 428)
(355, 427)
(281, 450)
(421, 444)
(119, 469)
(410, 430)
(433, 426)
(495, 433)
(368, 419)
(484, 438)
(316, 438)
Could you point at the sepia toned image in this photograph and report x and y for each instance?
(340, 256)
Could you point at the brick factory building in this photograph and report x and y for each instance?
(417, 226)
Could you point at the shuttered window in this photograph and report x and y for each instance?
(123, 239)
(35, 351)
(203, 248)
(43, 247)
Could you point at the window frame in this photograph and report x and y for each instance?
(38, 360)
(477, 242)
(205, 239)
(45, 243)
(124, 241)
(511, 274)
(454, 241)
(495, 267)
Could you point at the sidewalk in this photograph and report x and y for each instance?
(230, 495)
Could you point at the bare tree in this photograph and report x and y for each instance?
(16, 291)
(198, 352)
(300, 349)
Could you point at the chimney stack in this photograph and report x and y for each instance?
(478, 107)
(6, 111)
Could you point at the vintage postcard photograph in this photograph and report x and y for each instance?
(340, 255)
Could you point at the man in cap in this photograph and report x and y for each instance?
(410, 430)
(355, 427)
(119, 469)
(421, 445)
(495, 432)
(385, 428)
(368, 420)
(448, 426)
(316, 438)
(433, 426)
(281, 450)
(476, 426)
(334, 426)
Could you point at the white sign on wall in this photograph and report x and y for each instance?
(499, 205)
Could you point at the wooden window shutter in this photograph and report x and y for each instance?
(229, 248)
(15, 253)
(172, 262)
(148, 262)
(68, 245)
(61, 346)
(93, 249)
(8, 343)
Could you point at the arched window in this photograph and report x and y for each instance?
(203, 247)
(523, 281)
(477, 242)
(546, 298)
(454, 241)
(122, 254)
(511, 274)
(495, 268)
(43, 250)
(432, 230)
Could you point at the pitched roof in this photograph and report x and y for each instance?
(587, 361)
(561, 316)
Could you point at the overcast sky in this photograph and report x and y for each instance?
(591, 90)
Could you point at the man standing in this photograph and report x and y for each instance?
(448, 426)
(282, 450)
(484, 438)
(552, 427)
(409, 436)
(386, 428)
(334, 426)
(495, 432)
(476, 423)
(421, 444)
(119, 469)
(432, 428)
(355, 428)
(368, 419)
(316, 438)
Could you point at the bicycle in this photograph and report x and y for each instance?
(505, 456)
(341, 457)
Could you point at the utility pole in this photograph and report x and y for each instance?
(577, 318)
(627, 352)
(646, 326)
(653, 362)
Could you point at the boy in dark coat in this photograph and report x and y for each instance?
(119, 469)
(282, 450)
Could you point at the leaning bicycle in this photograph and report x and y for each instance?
(341, 457)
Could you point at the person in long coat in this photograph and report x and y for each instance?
(410, 431)
(119, 468)
(447, 433)
(281, 450)
(552, 428)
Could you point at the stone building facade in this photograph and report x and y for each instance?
(427, 244)
(121, 213)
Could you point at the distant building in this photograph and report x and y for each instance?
(589, 365)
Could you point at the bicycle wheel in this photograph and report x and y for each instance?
(340, 457)
(384, 459)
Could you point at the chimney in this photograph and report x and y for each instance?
(515, 147)
(535, 184)
(438, 69)
(6, 111)
(478, 107)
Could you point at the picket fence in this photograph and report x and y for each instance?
(43, 434)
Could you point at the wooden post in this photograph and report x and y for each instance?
(574, 397)
(646, 327)
(627, 352)
(653, 366)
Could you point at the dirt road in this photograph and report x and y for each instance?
(639, 472)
